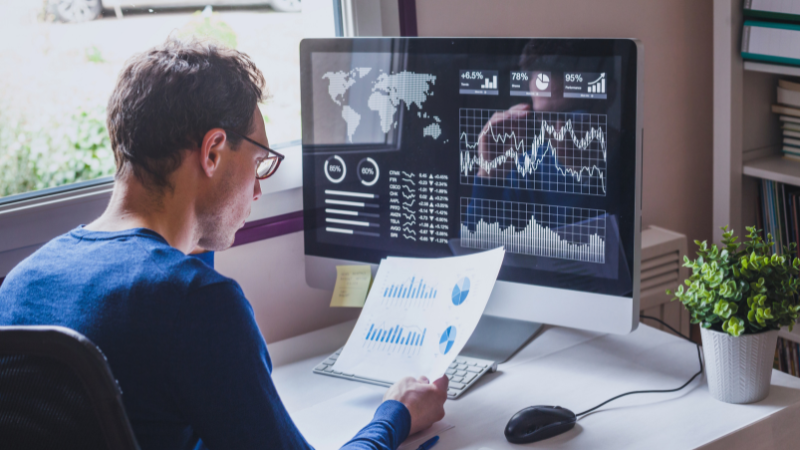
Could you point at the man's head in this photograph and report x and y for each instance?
(176, 118)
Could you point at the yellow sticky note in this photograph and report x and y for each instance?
(352, 286)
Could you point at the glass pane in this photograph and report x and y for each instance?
(59, 60)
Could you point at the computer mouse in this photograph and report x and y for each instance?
(539, 422)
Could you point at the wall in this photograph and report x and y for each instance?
(677, 37)
(272, 275)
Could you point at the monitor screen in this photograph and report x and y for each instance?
(439, 147)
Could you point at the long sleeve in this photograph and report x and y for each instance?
(387, 430)
(219, 371)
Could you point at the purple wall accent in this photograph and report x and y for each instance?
(408, 17)
(269, 228)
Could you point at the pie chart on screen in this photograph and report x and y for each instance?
(542, 81)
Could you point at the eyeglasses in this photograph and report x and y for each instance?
(267, 166)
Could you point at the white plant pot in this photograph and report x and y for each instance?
(739, 369)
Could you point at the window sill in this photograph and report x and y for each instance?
(30, 220)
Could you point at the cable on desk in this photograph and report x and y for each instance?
(699, 358)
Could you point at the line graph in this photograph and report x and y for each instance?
(542, 151)
(562, 232)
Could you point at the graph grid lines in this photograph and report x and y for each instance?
(562, 232)
(541, 151)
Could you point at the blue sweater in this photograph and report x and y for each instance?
(180, 338)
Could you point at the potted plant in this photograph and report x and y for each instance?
(741, 294)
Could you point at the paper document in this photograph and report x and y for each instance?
(352, 285)
(418, 315)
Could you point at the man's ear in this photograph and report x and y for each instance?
(214, 142)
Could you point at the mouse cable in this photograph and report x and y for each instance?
(699, 358)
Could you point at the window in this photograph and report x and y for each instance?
(59, 60)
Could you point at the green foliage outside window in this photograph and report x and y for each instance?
(76, 150)
(742, 290)
(211, 27)
(76, 147)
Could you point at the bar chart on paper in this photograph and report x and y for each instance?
(397, 339)
(412, 292)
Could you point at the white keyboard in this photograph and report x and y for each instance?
(463, 373)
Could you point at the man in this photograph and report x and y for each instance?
(189, 144)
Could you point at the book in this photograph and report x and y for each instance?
(788, 97)
(796, 348)
(786, 110)
(789, 127)
(795, 222)
(785, 235)
(792, 142)
(790, 119)
(791, 151)
(771, 42)
(773, 9)
(790, 85)
(791, 133)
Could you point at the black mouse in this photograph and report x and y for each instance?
(539, 422)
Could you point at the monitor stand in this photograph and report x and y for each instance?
(498, 339)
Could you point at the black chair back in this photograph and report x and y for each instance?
(57, 392)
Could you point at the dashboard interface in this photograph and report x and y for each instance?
(440, 147)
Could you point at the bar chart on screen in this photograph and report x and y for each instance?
(551, 231)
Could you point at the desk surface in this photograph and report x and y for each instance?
(577, 370)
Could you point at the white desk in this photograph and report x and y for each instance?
(577, 370)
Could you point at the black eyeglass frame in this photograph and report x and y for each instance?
(280, 156)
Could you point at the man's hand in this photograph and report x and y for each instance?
(424, 400)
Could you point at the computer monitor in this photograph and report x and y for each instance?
(432, 147)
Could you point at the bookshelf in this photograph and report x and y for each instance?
(775, 168)
(747, 136)
(772, 68)
(793, 335)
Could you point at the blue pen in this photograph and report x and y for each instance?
(429, 443)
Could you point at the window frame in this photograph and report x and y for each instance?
(31, 219)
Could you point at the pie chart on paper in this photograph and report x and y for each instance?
(447, 340)
(460, 291)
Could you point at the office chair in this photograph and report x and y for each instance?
(57, 391)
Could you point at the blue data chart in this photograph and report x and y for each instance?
(460, 291)
(414, 292)
(395, 339)
(447, 340)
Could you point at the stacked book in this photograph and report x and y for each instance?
(772, 31)
(778, 212)
(789, 109)
(787, 357)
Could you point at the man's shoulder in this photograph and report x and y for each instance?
(137, 265)
(188, 272)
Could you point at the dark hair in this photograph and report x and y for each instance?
(167, 98)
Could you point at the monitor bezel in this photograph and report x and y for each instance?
(578, 309)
